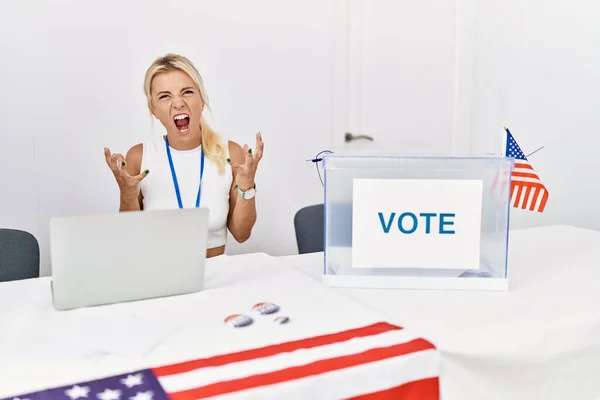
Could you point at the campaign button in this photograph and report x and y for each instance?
(281, 320)
(265, 308)
(238, 320)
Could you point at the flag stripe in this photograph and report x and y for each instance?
(524, 196)
(266, 351)
(315, 368)
(206, 376)
(516, 193)
(534, 199)
(522, 169)
(522, 165)
(525, 175)
(348, 382)
(529, 196)
(423, 389)
(543, 200)
(527, 180)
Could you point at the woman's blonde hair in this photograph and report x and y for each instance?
(213, 147)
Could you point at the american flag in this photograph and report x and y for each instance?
(526, 190)
(379, 361)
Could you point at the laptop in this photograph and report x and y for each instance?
(127, 256)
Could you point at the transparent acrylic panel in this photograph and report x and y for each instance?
(341, 170)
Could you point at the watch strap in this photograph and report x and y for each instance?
(242, 192)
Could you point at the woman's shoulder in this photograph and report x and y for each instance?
(137, 151)
(235, 152)
(133, 158)
(135, 154)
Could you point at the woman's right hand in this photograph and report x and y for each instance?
(128, 184)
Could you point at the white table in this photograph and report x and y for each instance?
(41, 348)
(540, 340)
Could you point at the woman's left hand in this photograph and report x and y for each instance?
(245, 173)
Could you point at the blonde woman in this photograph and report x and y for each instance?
(191, 165)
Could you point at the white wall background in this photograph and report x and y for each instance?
(72, 74)
(537, 71)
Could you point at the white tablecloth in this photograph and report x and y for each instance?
(41, 348)
(540, 340)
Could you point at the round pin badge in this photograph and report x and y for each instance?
(265, 308)
(238, 320)
(281, 320)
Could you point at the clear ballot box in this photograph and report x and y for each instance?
(416, 222)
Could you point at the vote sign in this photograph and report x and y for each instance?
(422, 223)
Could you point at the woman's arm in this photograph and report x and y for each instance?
(242, 212)
(127, 173)
(132, 201)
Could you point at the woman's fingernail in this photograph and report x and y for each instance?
(147, 171)
(122, 163)
(250, 151)
(229, 160)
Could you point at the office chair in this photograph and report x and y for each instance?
(308, 224)
(19, 255)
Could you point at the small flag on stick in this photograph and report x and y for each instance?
(527, 191)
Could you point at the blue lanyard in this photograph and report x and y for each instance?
(175, 175)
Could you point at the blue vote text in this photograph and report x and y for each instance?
(409, 222)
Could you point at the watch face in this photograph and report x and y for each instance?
(249, 194)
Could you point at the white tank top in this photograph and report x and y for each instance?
(159, 191)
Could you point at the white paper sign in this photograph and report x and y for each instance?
(424, 223)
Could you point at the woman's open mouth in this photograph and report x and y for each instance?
(182, 122)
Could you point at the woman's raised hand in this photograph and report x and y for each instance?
(127, 183)
(246, 172)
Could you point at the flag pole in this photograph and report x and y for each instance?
(504, 138)
(534, 152)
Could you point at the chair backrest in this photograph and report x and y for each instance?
(19, 255)
(308, 224)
